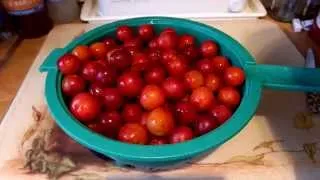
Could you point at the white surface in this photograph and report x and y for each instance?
(237, 5)
(110, 10)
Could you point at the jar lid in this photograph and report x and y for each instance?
(17, 5)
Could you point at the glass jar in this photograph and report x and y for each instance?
(314, 33)
(307, 9)
(283, 10)
(286, 10)
(6, 27)
(30, 17)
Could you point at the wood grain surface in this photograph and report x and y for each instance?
(13, 71)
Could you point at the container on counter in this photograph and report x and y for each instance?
(282, 10)
(30, 17)
(307, 9)
(286, 10)
(314, 32)
(63, 11)
(6, 27)
(8, 37)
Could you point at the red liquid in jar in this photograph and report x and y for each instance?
(30, 17)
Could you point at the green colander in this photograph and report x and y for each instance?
(258, 76)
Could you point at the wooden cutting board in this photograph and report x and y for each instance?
(280, 142)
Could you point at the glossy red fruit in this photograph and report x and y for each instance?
(85, 107)
(204, 124)
(154, 56)
(229, 96)
(174, 88)
(112, 99)
(130, 84)
(186, 41)
(234, 76)
(194, 79)
(133, 43)
(186, 98)
(111, 122)
(146, 32)
(221, 113)
(96, 127)
(103, 63)
(160, 122)
(73, 84)
(119, 58)
(168, 29)
(98, 50)
(124, 33)
(168, 55)
(181, 134)
(205, 66)
(153, 44)
(202, 98)
(132, 50)
(152, 97)
(209, 48)
(133, 133)
(185, 113)
(106, 76)
(144, 119)
(170, 107)
(220, 64)
(69, 64)
(158, 141)
(177, 67)
(213, 82)
(109, 43)
(132, 113)
(140, 62)
(155, 75)
(192, 53)
(96, 89)
(91, 70)
(168, 40)
(83, 53)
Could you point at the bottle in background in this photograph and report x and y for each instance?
(63, 11)
(6, 28)
(282, 10)
(307, 9)
(30, 17)
(8, 37)
(314, 33)
(286, 10)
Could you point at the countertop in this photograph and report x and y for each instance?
(14, 70)
(281, 139)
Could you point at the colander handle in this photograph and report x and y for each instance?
(50, 63)
(285, 78)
